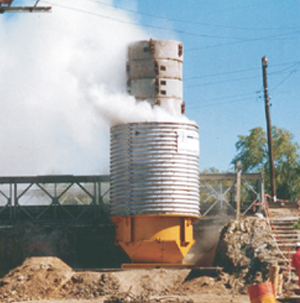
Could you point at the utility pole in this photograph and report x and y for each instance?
(238, 189)
(269, 128)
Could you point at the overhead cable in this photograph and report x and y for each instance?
(138, 24)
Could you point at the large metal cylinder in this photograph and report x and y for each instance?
(154, 169)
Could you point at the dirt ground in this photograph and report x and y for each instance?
(203, 298)
(48, 279)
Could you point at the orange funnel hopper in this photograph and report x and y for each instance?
(155, 238)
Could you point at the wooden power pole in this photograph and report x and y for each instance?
(238, 189)
(269, 128)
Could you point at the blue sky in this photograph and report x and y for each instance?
(224, 42)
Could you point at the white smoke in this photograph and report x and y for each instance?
(47, 63)
(62, 79)
(122, 108)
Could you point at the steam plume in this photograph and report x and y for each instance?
(50, 65)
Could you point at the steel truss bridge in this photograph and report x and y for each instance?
(218, 193)
(64, 199)
(68, 199)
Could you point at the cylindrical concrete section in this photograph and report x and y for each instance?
(155, 169)
(149, 49)
(154, 73)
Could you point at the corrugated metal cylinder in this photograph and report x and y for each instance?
(155, 169)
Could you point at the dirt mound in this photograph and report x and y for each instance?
(43, 278)
(246, 250)
(37, 278)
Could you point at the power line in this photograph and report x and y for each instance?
(243, 41)
(238, 95)
(226, 97)
(287, 77)
(240, 71)
(189, 21)
(240, 79)
(223, 81)
(219, 103)
(240, 40)
(220, 74)
(138, 24)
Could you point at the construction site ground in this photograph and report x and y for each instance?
(44, 279)
(49, 279)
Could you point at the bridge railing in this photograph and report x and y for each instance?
(54, 199)
(218, 193)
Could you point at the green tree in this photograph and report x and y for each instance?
(252, 151)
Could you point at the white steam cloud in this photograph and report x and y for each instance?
(62, 80)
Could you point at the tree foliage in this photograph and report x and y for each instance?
(252, 151)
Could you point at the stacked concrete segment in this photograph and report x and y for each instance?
(154, 72)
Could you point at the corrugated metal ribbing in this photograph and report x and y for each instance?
(154, 169)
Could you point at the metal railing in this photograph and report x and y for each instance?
(218, 192)
(68, 199)
(53, 199)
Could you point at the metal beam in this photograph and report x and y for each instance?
(229, 176)
(25, 9)
(55, 179)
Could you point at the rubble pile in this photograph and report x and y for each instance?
(246, 249)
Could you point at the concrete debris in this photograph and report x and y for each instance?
(246, 250)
